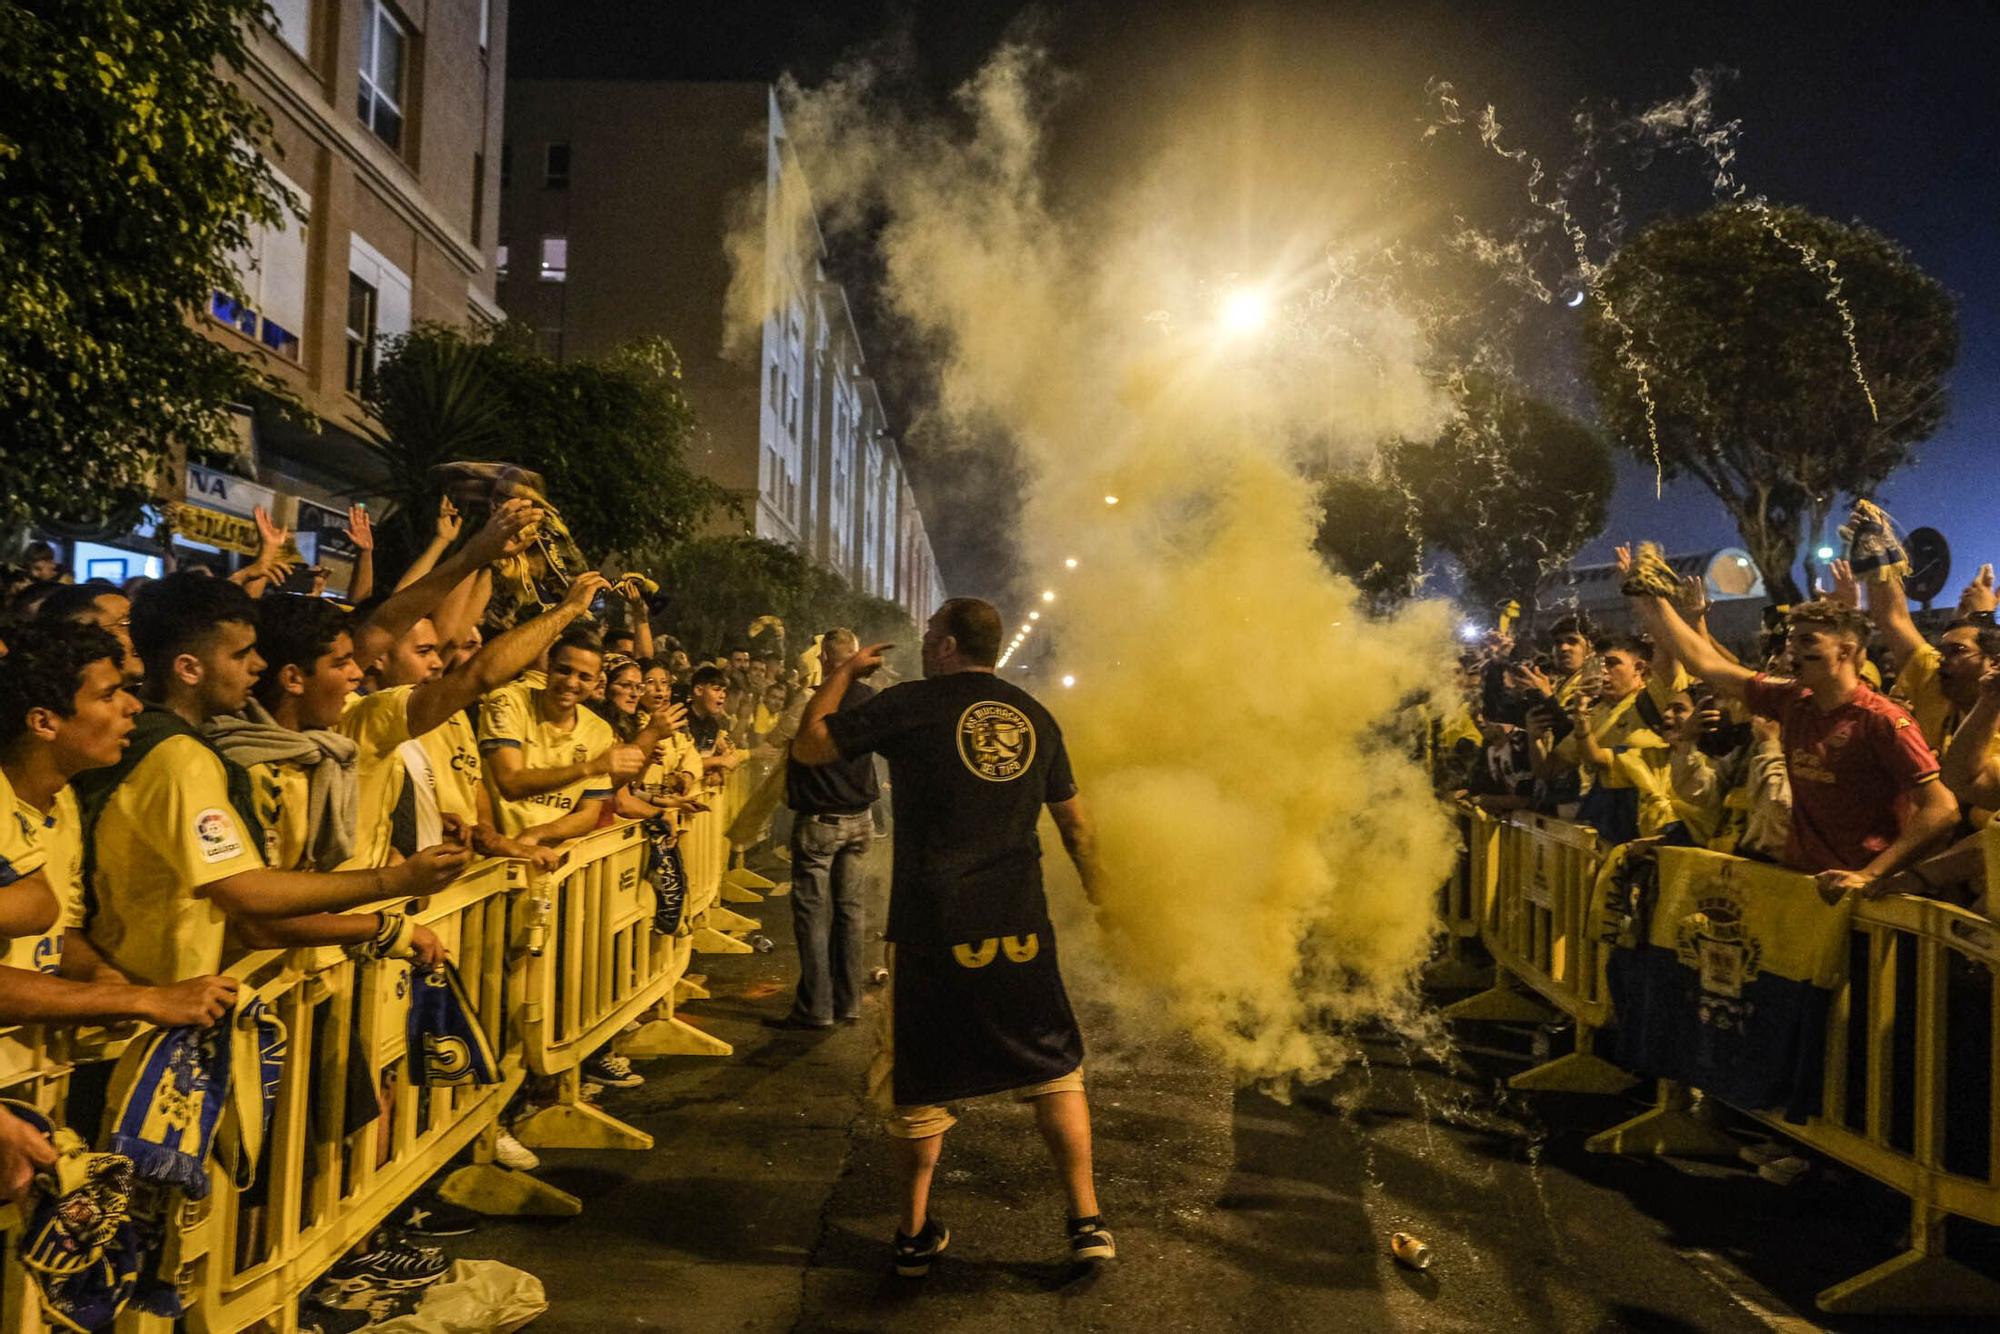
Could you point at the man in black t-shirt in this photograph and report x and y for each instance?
(976, 1003)
(830, 835)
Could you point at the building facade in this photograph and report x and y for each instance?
(385, 118)
(620, 203)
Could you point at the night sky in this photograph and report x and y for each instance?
(1869, 112)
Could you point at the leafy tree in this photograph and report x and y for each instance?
(712, 588)
(130, 171)
(1511, 488)
(1752, 384)
(1369, 532)
(608, 435)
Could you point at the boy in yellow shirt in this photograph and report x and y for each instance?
(63, 711)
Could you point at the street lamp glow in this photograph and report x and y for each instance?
(1469, 631)
(1048, 595)
(1068, 681)
(1034, 616)
(1244, 311)
(1111, 500)
(1825, 553)
(1070, 563)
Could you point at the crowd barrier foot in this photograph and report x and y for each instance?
(707, 940)
(1578, 1072)
(737, 894)
(779, 890)
(1919, 1282)
(1500, 1004)
(691, 986)
(744, 878)
(1670, 1127)
(501, 1192)
(722, 919)
(672, 1037)
(578, 1125)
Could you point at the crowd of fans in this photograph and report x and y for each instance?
(1844, 743)
(200, 765)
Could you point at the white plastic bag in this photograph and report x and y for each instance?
(476, 1297)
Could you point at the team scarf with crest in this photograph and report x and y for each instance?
(668, 873)
(80, 1243)
(173, 1087)
(444, 1033)
(1724, 975)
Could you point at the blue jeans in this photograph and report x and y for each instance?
(829, 905)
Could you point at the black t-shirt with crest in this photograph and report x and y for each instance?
(972, 761)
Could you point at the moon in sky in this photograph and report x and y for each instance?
(1576, 300)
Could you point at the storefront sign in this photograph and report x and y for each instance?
(228, 494)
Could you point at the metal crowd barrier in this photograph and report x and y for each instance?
(554, 966)
(1912, 1064)
(1540, 927)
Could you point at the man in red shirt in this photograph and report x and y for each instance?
(1866, 800)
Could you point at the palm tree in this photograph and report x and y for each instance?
(434, 401)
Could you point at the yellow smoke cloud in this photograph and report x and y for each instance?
(1271, 851)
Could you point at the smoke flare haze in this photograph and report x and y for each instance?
(1271, 850)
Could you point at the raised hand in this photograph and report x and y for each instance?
(508, 531)
(271, 538)
(1693, 601)
(1845, 590)
(583, 589)
(1979, 595)
(448, 523)
(360, 528)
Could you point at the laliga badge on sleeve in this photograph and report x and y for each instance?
(215, 834)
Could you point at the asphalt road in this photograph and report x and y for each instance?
(766, 1204)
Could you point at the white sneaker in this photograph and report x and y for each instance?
(1784, 1171)
(510, 1152)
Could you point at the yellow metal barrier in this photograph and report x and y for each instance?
(244, 1257)
(1540, 926)
(1462, 903)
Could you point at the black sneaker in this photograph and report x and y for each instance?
(914, 1254)
(1090, 1241)
(611, 1070)
(428, 1216)
(390, 1265)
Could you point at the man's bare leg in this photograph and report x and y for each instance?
(1064, 1120)
(916, 1163)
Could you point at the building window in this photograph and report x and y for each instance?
(500, 262)
(272, 271)
(555, 167)
(478, 198)
(378, 307)
(360, 333)
(555, 259)
(384, 48)
(293, 20)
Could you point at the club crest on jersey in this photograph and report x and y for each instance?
(996, 741)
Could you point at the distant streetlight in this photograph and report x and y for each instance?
(1111, 500)
(1068, 681)
(1034, 616)
(1244, 311)
(1070, 563)
(1048, 595)
(1825, 553)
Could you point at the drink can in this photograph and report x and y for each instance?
(1410, 1251)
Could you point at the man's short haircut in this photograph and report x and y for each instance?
(73, 602)
(1636, 645)
(708, 674)
(581, 639)
(38, 551)
(1982, 625)
(975, 624)
(1832, 617)
(1577, 624)
(43, 669)
(178, 613)
(840, 634)
(294, 630)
